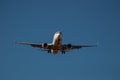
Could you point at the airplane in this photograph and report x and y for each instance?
(56, 46)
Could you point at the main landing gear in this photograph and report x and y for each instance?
(63, 52)
(49, 51)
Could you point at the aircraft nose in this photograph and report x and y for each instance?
(59, 33)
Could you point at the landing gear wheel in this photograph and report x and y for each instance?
(49, 51)
(63, 52)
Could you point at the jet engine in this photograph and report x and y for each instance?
(44, 45)
(69, 46)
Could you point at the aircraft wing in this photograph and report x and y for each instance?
(70, 47)
(49, 47)
(31, 44)
(82, 46)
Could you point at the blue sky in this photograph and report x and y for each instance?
(80, 21)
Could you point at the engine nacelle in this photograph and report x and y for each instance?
(69, 46)
(44, 45)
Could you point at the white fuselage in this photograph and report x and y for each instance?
(57, 42)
